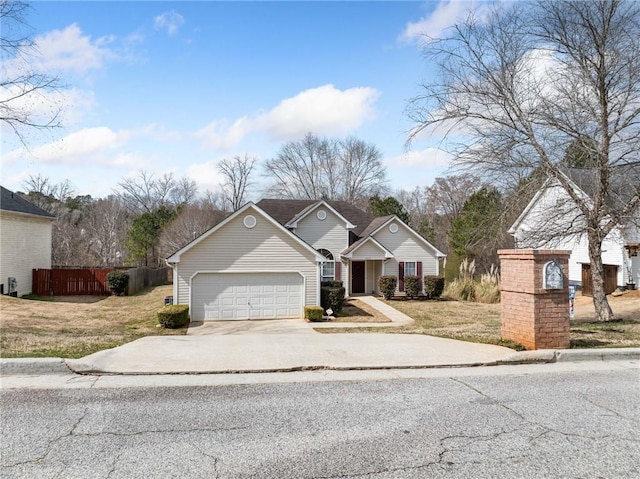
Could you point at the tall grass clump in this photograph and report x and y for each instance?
(488, 289)
(466, 288)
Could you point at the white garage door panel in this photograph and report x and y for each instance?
(226, 296)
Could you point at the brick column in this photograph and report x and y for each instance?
(535, 317)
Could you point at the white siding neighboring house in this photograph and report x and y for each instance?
(550, 221)
(25, 241)
(267, 260)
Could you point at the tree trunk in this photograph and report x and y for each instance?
(603, 310)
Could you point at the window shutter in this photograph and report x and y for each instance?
(401, 276)
(338, 271)
(419, 273)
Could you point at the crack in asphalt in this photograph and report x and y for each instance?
(216, 460)
(533, 423)
(160, 431)
(51, 442)
(613, 411)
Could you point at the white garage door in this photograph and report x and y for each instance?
(224, 296)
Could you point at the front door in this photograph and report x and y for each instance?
(357, 277)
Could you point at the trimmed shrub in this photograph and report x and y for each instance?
(313, 313)
(332, 284)
(332, 297)
(433, 286)
(387, 285)
(118, 282)
(174, 316)
(412, 286)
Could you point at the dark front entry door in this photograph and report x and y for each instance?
(357, 277)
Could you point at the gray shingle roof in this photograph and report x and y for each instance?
(10, 201)
(283, 211)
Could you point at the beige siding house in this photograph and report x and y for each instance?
(25, 242)
(268, 260)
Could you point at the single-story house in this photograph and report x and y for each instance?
(551, 220)
(25, 242)
(267, 260)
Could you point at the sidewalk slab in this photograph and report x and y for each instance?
(285, 352)
(396, 317)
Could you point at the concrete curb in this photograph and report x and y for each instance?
(20, 366)
(607, 354)
(42, 366)
(569, 355)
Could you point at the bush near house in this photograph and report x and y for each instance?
(332, 296)
(118, 282)
(313, 313)
(174, 316)
(433, 286)
(387, 285)
(412, 286)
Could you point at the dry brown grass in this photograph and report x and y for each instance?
(478, 322)
(355, 311)
(74, 326)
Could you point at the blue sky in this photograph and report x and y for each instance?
(174, 87)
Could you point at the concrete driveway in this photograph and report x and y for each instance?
(266, 326)
(285, 345)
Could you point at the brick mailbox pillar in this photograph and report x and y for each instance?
(534, 287)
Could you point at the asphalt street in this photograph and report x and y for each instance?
(554, 420)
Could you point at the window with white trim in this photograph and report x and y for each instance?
(328, 272)
(410, 268)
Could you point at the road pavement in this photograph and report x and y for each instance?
(546, 420)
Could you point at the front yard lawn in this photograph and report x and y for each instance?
(480, 323)
(74, 326)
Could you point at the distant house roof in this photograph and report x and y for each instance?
(624, 183)
(10, 201)
(285, 211)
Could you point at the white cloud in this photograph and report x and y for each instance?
(325, 110)
(205, 175)
(170, 21)
(70, 50)
(427, 158)
(446, 14)
(78, 148)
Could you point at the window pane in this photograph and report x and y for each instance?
(328, 271)
(410, 268)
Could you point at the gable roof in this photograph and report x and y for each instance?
(389, 219)
(309, 209)
(348, 253)
(287, 212)
(584, 180)
(175, 257)
(10, 201)
(624, 183)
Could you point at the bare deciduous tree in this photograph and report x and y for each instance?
(49, 196)
(521, 85)
(314, 168)
(105, 228)
(236, 173)
(23, 89)
(191, 222)
(145, 193)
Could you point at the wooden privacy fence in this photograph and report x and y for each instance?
(91, 281)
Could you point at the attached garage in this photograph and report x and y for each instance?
(246, 295)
